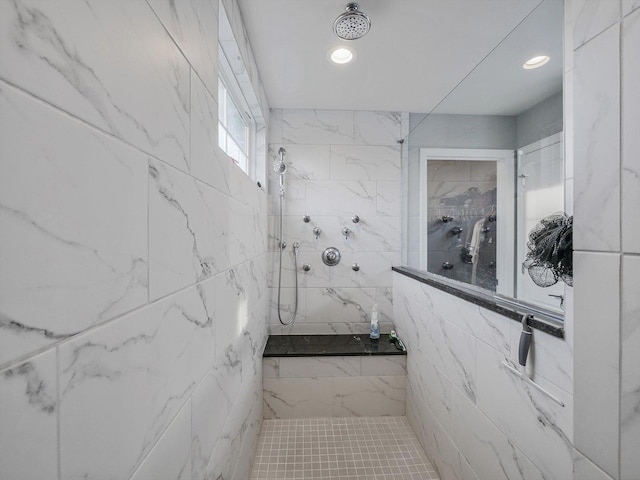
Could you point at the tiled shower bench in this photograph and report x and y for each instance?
(333, 376)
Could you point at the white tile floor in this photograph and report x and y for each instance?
(350, 448)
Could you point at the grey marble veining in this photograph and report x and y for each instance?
(50, 53)
(89, 251)
(28, 392)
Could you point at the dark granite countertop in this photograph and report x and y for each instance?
(329, 345)
(508, 309)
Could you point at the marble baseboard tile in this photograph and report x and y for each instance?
(28, 419)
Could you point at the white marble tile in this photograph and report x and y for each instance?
(170, 458)
(304, 162)
(376, 128)
(313, 367)
(237, 427)
(531, 420)
(592, 17)
(246, 231)
(407, 311)
(369, 396)
(287, 305)
(194, 27)
(73, 253)
(131, 375)
(339, 304)
(90, 60)
(451, 350)
(211, 404)
(596, 357)
(629, 6)
(232, 315)
(28, 419)
(298, 397)
(249, 442)
(384, 299)
(630, 140)
(630, 374)
(275, 126)
(188, 230)
(487, 326)
(489, 452)
(431, 387)
(584, 469)
(270, 367)
(341, 198)
(375, 270)
(317, 127)
(383, 365)
(295, 195)
(388, 199)
(596, 137)
(549, 357)
(208, 163)
(355, 162)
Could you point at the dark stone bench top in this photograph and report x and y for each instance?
(329, 345)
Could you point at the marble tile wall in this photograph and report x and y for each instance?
(334, 386)
(133, 253)
(607, 195)
(474, 417)
(340, 163)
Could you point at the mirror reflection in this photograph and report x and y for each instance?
(486, 165)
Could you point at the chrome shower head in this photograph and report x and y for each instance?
(352, 24)
(278, 165)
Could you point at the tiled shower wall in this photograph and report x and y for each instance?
(133, 257)
(475, 419)
(340, 163)
(606, 77)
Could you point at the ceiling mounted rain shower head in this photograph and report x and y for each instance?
(352, 24)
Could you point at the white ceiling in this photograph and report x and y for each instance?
(416, 52)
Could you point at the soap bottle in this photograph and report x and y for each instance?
(375, 332)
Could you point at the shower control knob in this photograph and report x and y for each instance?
(283, 245)
(346, 232)
(355, 219)
(456, 230)
(355, 267)
(447, 266)
(317, 232)
(306, 267)
(306, 219)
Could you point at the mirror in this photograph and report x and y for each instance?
(486, 165)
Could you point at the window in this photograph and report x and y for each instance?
(241, 123)
(234, 128)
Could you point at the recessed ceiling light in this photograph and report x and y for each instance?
(536, 62)
(342, 55)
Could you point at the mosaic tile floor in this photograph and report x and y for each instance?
(351, 448)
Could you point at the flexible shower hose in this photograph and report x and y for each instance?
(295, 262)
